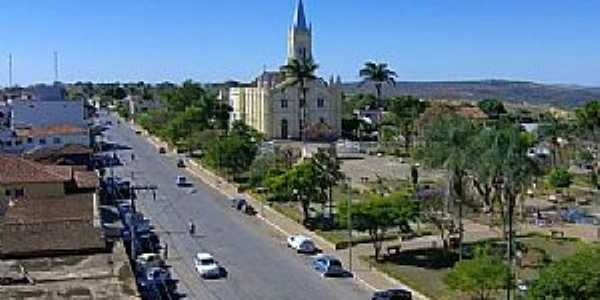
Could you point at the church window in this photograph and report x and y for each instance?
(320, 102)
(284, 103)
(322, 120)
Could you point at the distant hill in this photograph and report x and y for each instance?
(511, 91)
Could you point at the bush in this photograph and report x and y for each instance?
(560, 178)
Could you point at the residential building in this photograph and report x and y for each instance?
(272, 106)
(33, 125)
(47, 209)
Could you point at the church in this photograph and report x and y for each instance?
(273, 107)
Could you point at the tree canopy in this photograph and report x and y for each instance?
(479, 277)
(378, 214)
(379, 74)
(492, 107)
(573, 278)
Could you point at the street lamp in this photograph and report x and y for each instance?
(349, 221)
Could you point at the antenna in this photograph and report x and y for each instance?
(55, 66)
(10, 75)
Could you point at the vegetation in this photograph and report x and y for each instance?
(588, 120)
(406, 110)
(575, 277)
(480, 277)
(379, 74)
(560, 178)
(492, 107)
(379, 213)
(234, 152)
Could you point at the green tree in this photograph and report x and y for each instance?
(492, 107)
(379, 74)
(299, 72)
(329, 174)
(479, 277)
(572, 278)
(406, 110)
(378, 214)
(300, 183)
(560, 178)
(588, 119)
(447, 145)
(233, 153)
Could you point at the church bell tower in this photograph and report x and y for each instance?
(300, 35)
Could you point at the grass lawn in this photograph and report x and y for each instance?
(425, 269)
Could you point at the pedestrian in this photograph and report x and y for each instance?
(166, 251)
(132, 156)
(154, 195)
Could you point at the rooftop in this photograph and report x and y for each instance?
(55, 129)
(18, 170)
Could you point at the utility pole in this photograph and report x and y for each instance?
(10, 66)
(55, 66)
(349, 221)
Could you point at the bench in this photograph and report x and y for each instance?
(557, 234)
(394, 249)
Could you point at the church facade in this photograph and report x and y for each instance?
(273, 107)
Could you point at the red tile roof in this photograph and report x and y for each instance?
(14, 169)
(34, 227)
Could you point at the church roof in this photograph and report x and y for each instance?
(299, 17)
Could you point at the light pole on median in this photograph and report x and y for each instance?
(349, 216)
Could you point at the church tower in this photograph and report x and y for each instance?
(300, 35)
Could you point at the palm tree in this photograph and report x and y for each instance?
(298, 72)
(378, 73)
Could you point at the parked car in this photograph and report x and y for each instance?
(328, 266)
(393, 294)
(182, 181)
(150, 260)
(302, 244)
(162, 150)
(208, 267)
(154, 277)
(180, 163)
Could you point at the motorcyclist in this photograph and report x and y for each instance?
(191, 227)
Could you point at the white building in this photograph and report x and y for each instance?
(273, 107)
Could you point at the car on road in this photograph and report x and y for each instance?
(162, 150)
(208, 267)
(393, 294)
(180, 163)
(182, 181)
(328, 266)
(302, 244)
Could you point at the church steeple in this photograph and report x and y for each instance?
(299, 17)
(300, 35)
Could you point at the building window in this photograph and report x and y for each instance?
(322, 120)
(56, 140)
(18, 142)
(42, 141)
(284, 129)
(284, 103)
(320, 102)
(7, 193)
(29, 140)
(8, 143)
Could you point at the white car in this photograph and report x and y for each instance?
(302, 244)
(208, 267)
(150, 260)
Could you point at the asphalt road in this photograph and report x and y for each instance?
(260, 265)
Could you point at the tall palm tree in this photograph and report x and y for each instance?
(299, 72)
(379, 74)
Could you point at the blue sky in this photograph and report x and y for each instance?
(157, 40)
